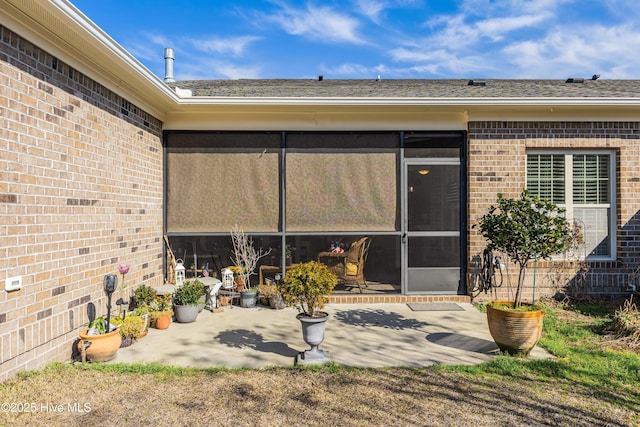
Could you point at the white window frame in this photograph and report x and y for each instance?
(569, 205)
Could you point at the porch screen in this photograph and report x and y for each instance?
(211, 192)
(341, 191)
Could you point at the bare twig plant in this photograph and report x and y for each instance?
(245, 256)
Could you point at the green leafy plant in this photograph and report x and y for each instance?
(131, 326)
(142, 310)
(306, 286)
(161, 303)
(189, 293)
(525, 228)
(99, 325)
(144, 296)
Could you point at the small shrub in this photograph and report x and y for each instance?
(626, 321)
(144, 296)
(130, 327)
(189, 293)
(306, 286)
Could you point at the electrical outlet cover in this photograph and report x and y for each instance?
(13, 283)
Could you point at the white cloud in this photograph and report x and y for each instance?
(496, 28)
(489, 8)
(579, 51)
(371, 9)
(317, 22)
(230, 45)
(150, 47)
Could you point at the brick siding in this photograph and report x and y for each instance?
(80, 192)
(497, 164)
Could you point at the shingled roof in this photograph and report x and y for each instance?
(461, 88)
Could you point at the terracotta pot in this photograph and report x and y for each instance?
(163, 322)
(103, 347)
(515, 332)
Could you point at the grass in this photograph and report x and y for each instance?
(587, 384)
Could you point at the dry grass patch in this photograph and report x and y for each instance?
(328, 396)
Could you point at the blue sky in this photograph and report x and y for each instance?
(361, 39)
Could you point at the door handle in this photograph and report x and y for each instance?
(404, 238)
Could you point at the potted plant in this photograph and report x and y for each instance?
(144, 296)
(271, 296)
(131, 328)
(161, 312)
(186, 299)
(306, 286)
(526, 228)
(245, 258)
(288, 253)
(100, 342)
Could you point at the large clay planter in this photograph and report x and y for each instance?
(515, 332)
(103, 347)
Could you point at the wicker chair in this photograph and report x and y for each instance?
(349, 265)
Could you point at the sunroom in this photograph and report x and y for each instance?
(384, 209)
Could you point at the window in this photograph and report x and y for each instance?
(583, 184)
(342, 182)
(216, 180)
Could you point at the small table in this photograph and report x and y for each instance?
(165, 290)
(271, 269)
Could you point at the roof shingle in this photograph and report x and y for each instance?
(459, 88)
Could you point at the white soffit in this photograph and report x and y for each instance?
(61, 29)
(57, 27)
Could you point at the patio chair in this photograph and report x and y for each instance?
(348, 266)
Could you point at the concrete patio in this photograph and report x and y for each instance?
(357, 335)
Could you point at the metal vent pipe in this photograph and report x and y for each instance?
(168, 65)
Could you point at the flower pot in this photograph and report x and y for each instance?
(515, 332)
(313, 334)
(239, 281)
(103, 347)
(163, 322)
(248, 299)
(277, 302)
(186, 313)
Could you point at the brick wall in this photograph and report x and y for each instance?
(80, 192)
(497, 163)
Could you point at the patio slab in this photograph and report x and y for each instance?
(357, 335)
